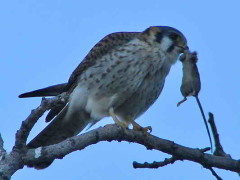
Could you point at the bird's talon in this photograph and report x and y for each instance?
(149, 128)
(144, 130)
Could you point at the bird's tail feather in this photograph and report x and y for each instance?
(48, 91)
(63, 126)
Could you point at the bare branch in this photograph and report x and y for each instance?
(2, 150)
(214, 174)
(113, 132)
(219, 149)
(27, 125)
(10, 163)
(1, 143)
(21, 156)
(155, 164)
(167, 161)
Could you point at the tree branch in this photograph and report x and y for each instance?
(219, 149)
(166, 161)
(27, 125)
(12, 162)
(155, 164)
(2, 150)
(1, 144)
(214, 174)
(20, 155)
(113, 132)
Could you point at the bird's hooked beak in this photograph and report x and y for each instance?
(183, 49)
(184, 53)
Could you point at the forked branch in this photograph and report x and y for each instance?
(20, 155)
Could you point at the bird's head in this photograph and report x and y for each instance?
(169, 39)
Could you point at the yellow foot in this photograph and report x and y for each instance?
(144, 130)
(123, 125)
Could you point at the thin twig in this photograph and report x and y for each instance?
(154, 164)
(219, 149)
(167, 161)
(215, 174)
(1, 142)
(2, 150)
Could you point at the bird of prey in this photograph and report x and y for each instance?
(121, 77)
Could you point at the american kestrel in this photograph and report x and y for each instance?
(121, 77)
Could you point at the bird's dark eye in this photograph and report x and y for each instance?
(173, 36)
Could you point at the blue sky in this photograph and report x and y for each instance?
(41, 43)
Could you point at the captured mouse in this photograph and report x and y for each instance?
(191, 83)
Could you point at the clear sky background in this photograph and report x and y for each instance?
(42, 41)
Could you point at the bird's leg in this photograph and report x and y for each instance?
(137, 127)
(182, 101)
(116, 120)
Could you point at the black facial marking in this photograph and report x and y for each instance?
(173, 36)
(170, 48)
(159, 37)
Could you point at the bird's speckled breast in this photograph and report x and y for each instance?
(145, 96)
(121, 74)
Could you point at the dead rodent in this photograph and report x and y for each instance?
(191, 83)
